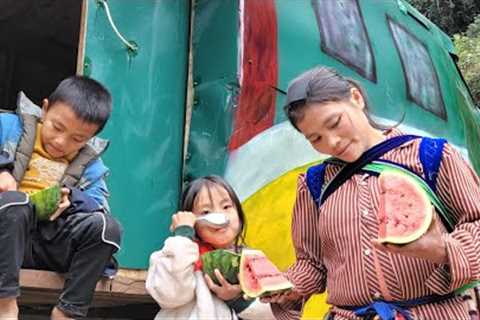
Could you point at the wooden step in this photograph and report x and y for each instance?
(43, 287)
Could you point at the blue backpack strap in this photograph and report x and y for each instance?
(315, 178)
(315, 174)
(368, 156)
(431, 150)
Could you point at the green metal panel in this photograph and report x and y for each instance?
(146, 127)
(215, 54)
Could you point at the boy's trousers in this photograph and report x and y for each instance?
(71, 245)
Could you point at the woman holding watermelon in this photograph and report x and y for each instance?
(340, 212)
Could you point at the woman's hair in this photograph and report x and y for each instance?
(320, 85)
(193, 189)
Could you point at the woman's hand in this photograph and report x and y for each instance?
(64, 203)
(182, 218)
(225, 290)
(282, 297)
(431, 246)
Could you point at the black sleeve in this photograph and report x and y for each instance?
(80, 202)
(6, 164)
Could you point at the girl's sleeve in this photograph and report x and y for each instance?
(308, 274)
(458, 187)
(170, 279)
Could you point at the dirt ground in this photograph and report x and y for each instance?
(134, 312)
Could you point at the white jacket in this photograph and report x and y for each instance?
(182, 293)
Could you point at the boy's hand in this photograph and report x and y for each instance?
(64, 204)
(182, 218)
(225, 290)
(7, 182)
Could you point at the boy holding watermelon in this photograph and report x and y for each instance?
(41, 148)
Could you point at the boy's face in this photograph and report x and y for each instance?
(63, 132)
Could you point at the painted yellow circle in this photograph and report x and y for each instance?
(269, 213)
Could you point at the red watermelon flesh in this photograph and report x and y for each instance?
(259, 276)
(405, 211)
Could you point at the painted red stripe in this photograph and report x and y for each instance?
(257, 99)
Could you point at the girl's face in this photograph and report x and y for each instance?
(339, 128)
(216, 199)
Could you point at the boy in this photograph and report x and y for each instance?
(38, 150)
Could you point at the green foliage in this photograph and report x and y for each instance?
(474, 28)
(452, 16)
(468, 47)
(461, 20)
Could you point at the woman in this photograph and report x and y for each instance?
(335, 234)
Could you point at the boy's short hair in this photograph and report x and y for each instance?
(88, 98)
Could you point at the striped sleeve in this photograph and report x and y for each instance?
(287, 311)
(308, 274)
(459, 188)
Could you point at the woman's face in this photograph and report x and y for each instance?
(216, 199)
(340, 129)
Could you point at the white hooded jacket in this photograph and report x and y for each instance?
(182, 292)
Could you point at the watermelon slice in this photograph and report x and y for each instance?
(260, 277)
(405, 211)
(46, 201)
(226, 261)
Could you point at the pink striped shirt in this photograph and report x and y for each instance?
(334, 250)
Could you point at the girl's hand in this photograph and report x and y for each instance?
(282, 297)
(225, 290)
(182, 218)
(431, 246)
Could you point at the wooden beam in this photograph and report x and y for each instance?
(82, 37)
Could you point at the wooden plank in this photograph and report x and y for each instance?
(143, 311)
(43, 287)
(40, 279)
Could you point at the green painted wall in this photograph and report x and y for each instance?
(215, 54)
(299, 48)
(149, 91)
(387, 96)
(146, 127)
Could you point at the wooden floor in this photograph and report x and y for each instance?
(43, 287)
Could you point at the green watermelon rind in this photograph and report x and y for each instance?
(266, 290)
(426, 200)
(379, 168)
(46, 201)
(226, 261)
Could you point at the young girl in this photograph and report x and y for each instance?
(335, 223)
(175, 279)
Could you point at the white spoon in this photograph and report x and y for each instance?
(214, 219)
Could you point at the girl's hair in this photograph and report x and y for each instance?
(192, 190)
(320, 85)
